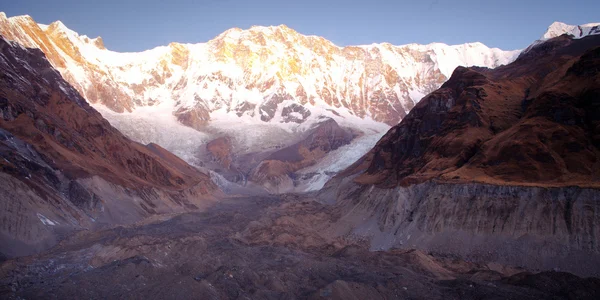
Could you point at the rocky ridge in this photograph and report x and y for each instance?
(65, 168)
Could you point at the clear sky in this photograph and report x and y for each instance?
(135, 25)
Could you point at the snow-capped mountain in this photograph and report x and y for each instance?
(265, 88)
(577, 31)
(559, 28)
(252, 72)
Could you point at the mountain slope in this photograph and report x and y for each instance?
(496, 165)
(533, 121)
(65, 168)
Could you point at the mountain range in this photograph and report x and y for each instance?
(253, 72)
(273, 82)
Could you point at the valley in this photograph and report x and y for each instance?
(268, 164)
(263, 248)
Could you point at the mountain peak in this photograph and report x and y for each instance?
(58, 25)
(232, 33)
(271, 27)
(21, 18)
(577, 31)
(59, 30)
(259, 34)
(267, 31)
(271, 63)
(557, 29)
(98, 42)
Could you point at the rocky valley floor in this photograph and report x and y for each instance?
(262, 248)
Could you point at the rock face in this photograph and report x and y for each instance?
(220, 149)
(252, 72)
(497, 164)
(65, 168)
(223, 160)
(277, 171)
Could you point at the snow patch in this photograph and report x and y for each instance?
(46, 221)
(336, 161)
(156, 124)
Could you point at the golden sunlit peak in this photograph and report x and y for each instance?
(234, 29)
(230, 33)
(99, 42)
(22, 18)
(281, 27)
(57, 26)
(57, 23)
(287, 29)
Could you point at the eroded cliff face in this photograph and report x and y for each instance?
(534, 227)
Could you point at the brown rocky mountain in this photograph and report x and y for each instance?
(277, 171)
(501, 164)
(534, 121)
(66, 168)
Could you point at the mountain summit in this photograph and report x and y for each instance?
(559, 28)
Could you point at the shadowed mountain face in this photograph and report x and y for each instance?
(533, 122)
(64, 167)
(498, 165)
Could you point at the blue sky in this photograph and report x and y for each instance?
(135, 25)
